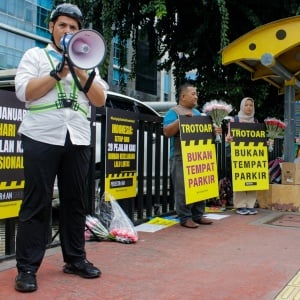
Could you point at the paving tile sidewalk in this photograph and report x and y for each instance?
(236, 258)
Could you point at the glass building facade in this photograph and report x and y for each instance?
(23, 25)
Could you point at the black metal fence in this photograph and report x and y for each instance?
(154, 192)
(154, 195)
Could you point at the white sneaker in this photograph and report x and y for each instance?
(252, 211)
(242, 211)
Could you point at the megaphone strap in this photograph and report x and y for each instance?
(88, 83)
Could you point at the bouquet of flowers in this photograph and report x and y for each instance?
(111, 223)
(121, 227)
(217, 110)
(275, 129)
(95, 230)
(123, 236)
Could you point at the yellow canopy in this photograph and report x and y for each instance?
(270, 52)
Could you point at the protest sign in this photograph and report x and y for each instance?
(199, 158)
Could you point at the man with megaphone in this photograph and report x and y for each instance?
(56, 142)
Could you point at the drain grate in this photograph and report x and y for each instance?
(289, 220)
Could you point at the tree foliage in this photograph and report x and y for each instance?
(192, 33)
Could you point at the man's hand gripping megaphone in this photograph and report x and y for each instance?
(81, 53)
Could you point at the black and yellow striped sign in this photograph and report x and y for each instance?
(120, 162)
(249, 157)
(199, 158)
(12, 112)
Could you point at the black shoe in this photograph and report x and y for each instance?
(83, 268)
(26, 282)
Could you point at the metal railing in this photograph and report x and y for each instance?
(154, 192)
(154, 188)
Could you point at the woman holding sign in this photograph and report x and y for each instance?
(244, 202)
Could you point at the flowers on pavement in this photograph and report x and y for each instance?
(118, 226)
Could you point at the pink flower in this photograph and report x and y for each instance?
(217, 110)
(87, 235)
(95, 227)
(123, 236)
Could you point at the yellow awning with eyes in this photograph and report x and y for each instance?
(270, 52)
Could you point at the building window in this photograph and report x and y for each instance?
(28, 14)
(116, 55)
(118, 76)
(42, 17)
(146, 70)
(3, 6)
(166, 86)
(117, 52)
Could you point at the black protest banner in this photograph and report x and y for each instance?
(12, 112)
(121, 151)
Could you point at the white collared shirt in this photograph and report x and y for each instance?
(51, 126)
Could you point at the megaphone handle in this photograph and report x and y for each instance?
(89, 81)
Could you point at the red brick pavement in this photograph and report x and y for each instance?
(236, 258)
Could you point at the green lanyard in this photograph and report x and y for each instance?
(61, 94)
(62, 101)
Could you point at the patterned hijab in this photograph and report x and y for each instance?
(245, 117)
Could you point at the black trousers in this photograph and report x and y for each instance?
(42, 163)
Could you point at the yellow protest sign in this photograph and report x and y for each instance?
(198, 158)
(249, 157)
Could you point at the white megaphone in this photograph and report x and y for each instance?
(86, 48)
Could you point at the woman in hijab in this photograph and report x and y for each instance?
(247, 111)
(244, 202)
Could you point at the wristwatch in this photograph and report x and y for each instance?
(53, 74)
